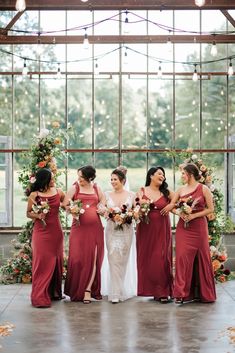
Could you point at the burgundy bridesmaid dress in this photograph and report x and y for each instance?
(85, 239)
(194, 277)
(47, 250)
(154, 253)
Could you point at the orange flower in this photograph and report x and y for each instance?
(222, 278)
(222, 257)
(42, 164)
(216, 265)
(55, 124)
(57, 140)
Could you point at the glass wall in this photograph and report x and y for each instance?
(125, 103)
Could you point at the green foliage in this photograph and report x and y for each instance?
(42, 154)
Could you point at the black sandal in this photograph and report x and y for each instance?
(87, 301)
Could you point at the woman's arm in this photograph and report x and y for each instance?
(174, 196)
(101, 195)
(68, 196)
(29, 212)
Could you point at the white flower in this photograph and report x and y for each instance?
(194, 157)
(43, 133)
(213, 248)
(82, 211)
(45, 211)
(32, 180)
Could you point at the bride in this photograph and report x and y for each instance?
(119, 275)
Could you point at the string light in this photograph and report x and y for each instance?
(125, 60)
(20, 5)
(84, 0)
(214, 49)
(86, 43)
(200, 2)
(96, 68)
(230, 68)
(168, 43)
(126, 27)
(25, 69)
(195, 75)
(58, 75)
(159, 73)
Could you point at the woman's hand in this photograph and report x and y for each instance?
(189, 217)
(167, 209)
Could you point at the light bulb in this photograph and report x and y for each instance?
(86, 43)
(84, 0)
(200, 2)
(96, 69)
(25, 69)
(195, 75)
(214, 49)
(230, 69)
(159, 73)
(125, 60)
(58, 75)
(20, 5)
(126, 28)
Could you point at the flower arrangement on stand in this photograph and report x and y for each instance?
(218, 223)
(46, 148)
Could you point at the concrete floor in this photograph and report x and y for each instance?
(138, 325)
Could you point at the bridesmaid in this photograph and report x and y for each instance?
(47, 241)
(194, 277)
(154, 240)
(86, 243)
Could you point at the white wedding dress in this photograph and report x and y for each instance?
(119, 273)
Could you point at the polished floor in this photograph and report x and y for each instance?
(138, 325)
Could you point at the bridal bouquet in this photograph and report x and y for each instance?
(40, 206)
(120, 216)
(76, 209)
(144, 207)
(186, 205)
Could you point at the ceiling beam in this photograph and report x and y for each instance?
(118, 5)
(229, 17)
(117, 39)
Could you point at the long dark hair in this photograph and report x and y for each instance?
(43, 179)
(192, 169)
(164, 186)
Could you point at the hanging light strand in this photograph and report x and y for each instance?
(20, 5)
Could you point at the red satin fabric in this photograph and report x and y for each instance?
(194, 274)
(47, 248)
(154, 253)
(85, 238)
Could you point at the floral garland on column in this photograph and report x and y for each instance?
(43, 153)
(218, 223)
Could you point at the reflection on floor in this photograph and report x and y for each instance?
(138, 325)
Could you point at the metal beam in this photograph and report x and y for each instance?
(229, 17)
(118, 5)
(117, 39)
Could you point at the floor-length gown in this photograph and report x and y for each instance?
(86, 240)
(120, 276)
(194, 277)
(154, 253)
(47, 250)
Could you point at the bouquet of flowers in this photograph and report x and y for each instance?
(120, 216)
(144, 207)
(41, 206)
(186, 205)
(76, 209)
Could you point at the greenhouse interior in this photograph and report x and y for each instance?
(134, 92)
